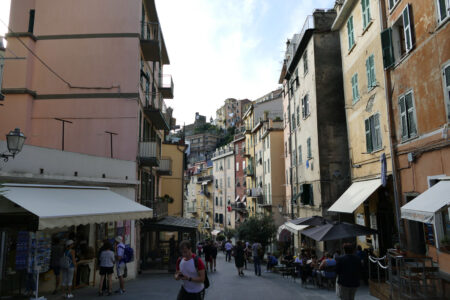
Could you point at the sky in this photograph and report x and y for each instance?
(222, 49)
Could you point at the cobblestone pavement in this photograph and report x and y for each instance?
(225, 285)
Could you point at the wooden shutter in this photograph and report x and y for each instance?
(410, 111)
(408, 26)
(351, 39)
(372, 70)
(308, 145)
(299, 154)
(388, 50)
(368, 136)
(369, 82)
(303, 108)
(403, 119)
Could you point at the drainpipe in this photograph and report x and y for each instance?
(182, 180)
(390, 118)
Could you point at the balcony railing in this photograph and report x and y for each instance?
(192, 209)
(149, 153)
(165, 166)
(155, 109)
(150, 38)
(249, 170)
(295, 42)
(166, 86)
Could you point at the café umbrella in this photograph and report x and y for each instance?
(337, 231)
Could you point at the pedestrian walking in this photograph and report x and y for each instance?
(239, 257)
(348, 269)
(228, 248)
(55, 261)
(258, 253)
(121, 266)
(106, 263)
(207, 250)
(199, 249)
(191, 270)
(68, 265)
(214, 250)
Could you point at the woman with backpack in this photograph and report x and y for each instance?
(68, 265)
(106, 263)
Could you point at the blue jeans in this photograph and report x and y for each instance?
(257, 264)
(228, 256)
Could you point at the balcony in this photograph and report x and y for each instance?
(239, 207)
(166, 86)
(150, 40)
(165, 167)
(149, 153)
(192, 209)
(249, 171)
(208, 210)
(155, 110)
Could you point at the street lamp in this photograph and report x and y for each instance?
(14, 141)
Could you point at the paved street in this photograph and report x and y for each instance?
(225, 285)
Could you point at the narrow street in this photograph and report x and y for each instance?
(225, 285)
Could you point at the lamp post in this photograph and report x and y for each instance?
(14, 141)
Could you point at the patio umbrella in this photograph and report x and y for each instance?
(337, 231)
(311, 221)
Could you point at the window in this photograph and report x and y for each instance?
(228, 163)
(305, 63)
(294, 157)
(407, 116)
(305, 106)
(443, 9)
(268, 165)
(293, 122)
(446, 74)
(355, 92)
(217, 201)
(308, 148)
(392, 3)
(31, 21)
(398, 40)
(265, 168)
(370, 69)
(300, 161)
(269, 195)
(287, 177)
(365, 4)
(228, 182)
(221, 218)
(350, 33)
(298, 114)
(237, 166)
(220, 203)
(373, 133)
(307, 195)
(217, 185)
(216, 218)
(297, 81)
(220, 183)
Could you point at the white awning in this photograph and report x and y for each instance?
(291, 228)
(59, 206)
(237, 199)
(423, 207)
(355, 195)
(215, 232)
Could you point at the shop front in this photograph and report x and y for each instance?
(36, 220)
(160, 240)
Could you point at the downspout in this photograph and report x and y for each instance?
(182, 180)
(390, 118)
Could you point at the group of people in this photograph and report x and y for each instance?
(64, 264)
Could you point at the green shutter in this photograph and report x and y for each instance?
(388, 50)
(369, 82)
(369, 146)
(372, 71)
(308, 145)
(412, 128)
(351, 39)
(403, 119)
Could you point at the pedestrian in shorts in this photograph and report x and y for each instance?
(107, 260)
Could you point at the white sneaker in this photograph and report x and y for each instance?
(69, 296)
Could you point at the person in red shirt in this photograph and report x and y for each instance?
(191, 270)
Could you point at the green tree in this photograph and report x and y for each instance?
(229, 233)
(258, 229)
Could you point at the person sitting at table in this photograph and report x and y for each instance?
(272, 261)
(288, 259)
(327, 268)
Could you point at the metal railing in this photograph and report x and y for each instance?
(149, 149)
(165, 165)
(150, 31)
(295, 41)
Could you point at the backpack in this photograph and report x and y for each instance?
(196, 258)
(128, 254)
(65, 261)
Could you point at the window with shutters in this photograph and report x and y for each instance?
(365, 4)
(373, 133)
(370, 70)
(407, 116)
(293, 121)
(298, 114)
(393, 3)
(446, 74)
(308, 148)
(268, 165)
(297, 81)
(300, 159)
(355, 91)
(305, 106)
(350, 33)
(443, 7)
(305, 63)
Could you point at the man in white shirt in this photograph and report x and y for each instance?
(120, 264)
(192, 271)
(228, 248)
